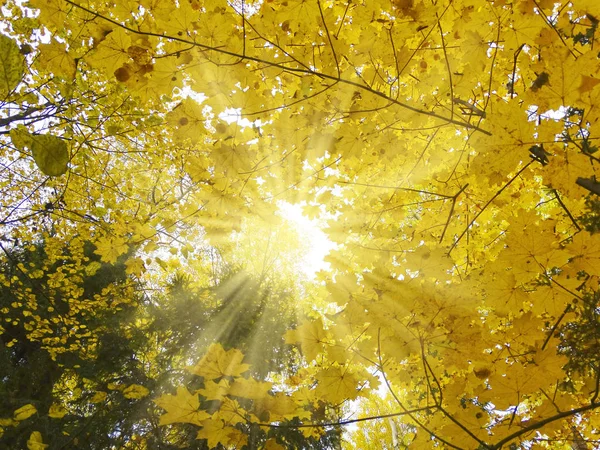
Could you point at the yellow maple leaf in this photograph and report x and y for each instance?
(54, 58)
(57, 411)
(187, 120)
(272, 444)
(237, 438)
(110, 248)
(504, 294)
(218, 363)
(311, 336)
(429, 263)
(215, 432)
(24, 412)
(215, 391)
(135, 266)
(250, 388)
(586, 252)
(36, 442)
(179, 21)
(165, 76)
(230, 412)
(587, 83)
(337, 384)
(135, 391)
(98, 397)
(279, 406)
(181, 408)
(111, 53)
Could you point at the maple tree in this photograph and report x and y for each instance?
(450, 145)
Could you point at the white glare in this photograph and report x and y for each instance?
(310, 229)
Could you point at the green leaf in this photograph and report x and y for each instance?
(21, 138)
(50, 154)
(12, 64)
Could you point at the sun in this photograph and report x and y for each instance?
(287, 245)
(316, 243)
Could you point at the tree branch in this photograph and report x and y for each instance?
(590, 184)
(347, 422)
(494, 197)
(541, 423)
(387, 383)
(281, 66)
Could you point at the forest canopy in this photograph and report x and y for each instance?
(156, 290)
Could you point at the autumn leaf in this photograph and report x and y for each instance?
(231, 412)
(21, 138)
(111, 53)
(215, 391)
(337, 384)
(12, 64)
(215, 431)
(110, 248)
(54, 57)
(279, 407)
(57, 411)
(98, 397)
(182, 407)
(249, 388)
(135, 266)
(187, 120)
(218, 363)
(135, 391)
(50, 154)
(311, 336)
(588, 83)
(586, 253)
(272, 444)
(35, 441)
(24, 412)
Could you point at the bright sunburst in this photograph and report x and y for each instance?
(317, 244)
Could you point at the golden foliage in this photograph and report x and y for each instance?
(443, 142)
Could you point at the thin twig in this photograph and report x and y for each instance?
(597, 389)
(387, 383)
(447, 67)
(454, 199)
(514, 71)
(495, 196)
(564, 207)
(346, 422)
(337, 64)
(553, 329)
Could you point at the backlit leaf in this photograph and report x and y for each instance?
(24, 412)
(36, 442)
(12, 65)
(135, 391)
(219, 363)
(182, 407)
(50, 154)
